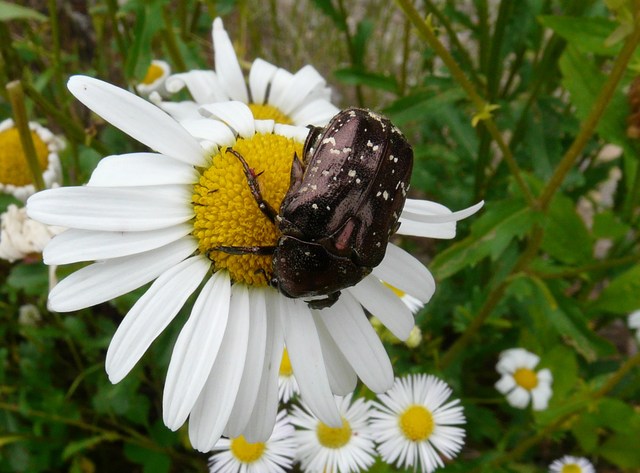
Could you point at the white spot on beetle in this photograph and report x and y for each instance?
(331, 140)
(314, 206)
(334, 151)
(378, 194)
(375, 148)
(314, 169)
(369, 144)
(352, 173)
(385, 195)
(358, 181)
(328, 208)
(346, 150)
(325, 172)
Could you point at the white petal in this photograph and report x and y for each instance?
(103, 281)
(280, 83)
(260, 77)
(180, 111)
(358, 341)
(151, 314)
(213, 407)
(264, 126)
(519, 397)
(210, 130)
(203, 86)
(505, 384)
(385, 305)
(403, 271)
(195, 350)
(137, 118)
(235, 114)
(250, 383)
(317, 112)
(305, 353)
(141, 169)
(227, 65)
(342, 377)
(298, 133)
(74, 245)
(116, 209)
(431, 220)
(302, 84)
(263, 416)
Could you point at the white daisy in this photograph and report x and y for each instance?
(326, 449)
(634, 323)
(413, 426)
(155, 79)
(22, 237)
(569, 464)
(520, 383)
(275, 455)
(15, 176)
(271, 92)
(287, 384)
(165, 216)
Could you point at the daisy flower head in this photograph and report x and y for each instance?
(154, 79)
(15, 176)
(634, 323)
(414, 425)
(275, 455)
(272, 93)
(569, 464)
(196, 212)
(520, 382)
(287, 385)
(326, 449)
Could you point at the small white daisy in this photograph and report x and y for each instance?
(270, 92)
(15, 176)
(634, 323)
(167, 217)
(326, 449)
(520, 383)
(236, 455)
(413, 426)
(155, 79)
(22, 237)
(287, 384)
(569, 464)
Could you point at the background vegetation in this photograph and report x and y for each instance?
(551, 263)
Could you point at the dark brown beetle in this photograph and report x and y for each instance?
(342, 206)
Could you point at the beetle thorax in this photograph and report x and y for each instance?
(227, 215)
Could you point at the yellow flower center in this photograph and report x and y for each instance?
(571, 468)
(226, 213)
(285, 364)
(13, 163)
(246, 452)
(334, 437)
(269, 112)
(154, 73)
(416, 423)
(526, 378)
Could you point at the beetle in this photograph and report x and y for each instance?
(342, 206)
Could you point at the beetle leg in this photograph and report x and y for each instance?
(244, 250)
(297, 173)
(263, 205)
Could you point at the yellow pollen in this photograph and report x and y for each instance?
(333, 437)
(226, 213)
(571, 468)
(526, 378)
(154, 73)
(269, 112)
(416, 423)
(285, 364)
(395, 290)
(13, 163)
(246, 452)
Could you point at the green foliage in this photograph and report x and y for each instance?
(550, 264)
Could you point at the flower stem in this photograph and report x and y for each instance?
(169, 37)
(16, 97)
(481, 104)
(588, 126)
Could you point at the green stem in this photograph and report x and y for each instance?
(21, 121)
(588, 126)
(597, 266)
(169, 37)
(458, 74)
(55, 44)
(351, 50)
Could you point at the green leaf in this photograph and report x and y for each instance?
(566, 237)
(586, 34)
(490, 236)
(360, 41)
(10, 11)
(326, 6)
(622, 296)
(33, 279)
(151, 461)
(79, 445)
(148, 22)
(356, 76)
